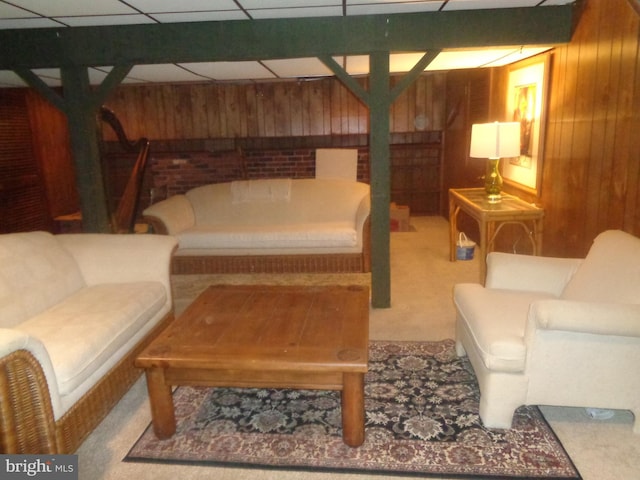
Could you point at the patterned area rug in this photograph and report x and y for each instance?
(422, 419)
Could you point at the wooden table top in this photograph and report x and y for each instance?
(268, 327)
(510, 206)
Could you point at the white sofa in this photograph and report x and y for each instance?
(74, 311)
(268, 225)
(552, 331)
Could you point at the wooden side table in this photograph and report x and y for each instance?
(490, 218)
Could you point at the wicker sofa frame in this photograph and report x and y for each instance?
(27, 423)
(318, 263)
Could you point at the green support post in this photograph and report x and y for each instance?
(379, 152)
(81, 113)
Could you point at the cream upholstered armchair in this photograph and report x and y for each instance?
(552, 331)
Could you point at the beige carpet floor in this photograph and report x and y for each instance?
(421, 309)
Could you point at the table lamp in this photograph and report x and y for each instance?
(494, 141)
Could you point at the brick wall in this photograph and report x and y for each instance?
(179, 173)
(177, 166)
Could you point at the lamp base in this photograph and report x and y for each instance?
(493, 181)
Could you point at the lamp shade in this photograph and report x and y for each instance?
(495, 140)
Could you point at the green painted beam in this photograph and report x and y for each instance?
(346, 79)
(281, 38)
(380, 158)
(413, 74)
(80, 108)
(378, 100)
(41, 87)
(80, 104)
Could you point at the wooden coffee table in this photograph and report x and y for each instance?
(299, 337)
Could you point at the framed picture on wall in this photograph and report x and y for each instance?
(526, 103)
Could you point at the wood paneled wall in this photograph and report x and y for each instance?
(50, 136)
(269, 124)
(591, 176)
(23, 202)
(268, 109)
(591, 169)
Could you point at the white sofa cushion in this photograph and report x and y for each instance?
(83, 331)
(261, 190)
(301, 235)
(612, 251)
(496, 319)
(310, 201)
(36, 272)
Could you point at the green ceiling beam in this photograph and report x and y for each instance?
(282, 38)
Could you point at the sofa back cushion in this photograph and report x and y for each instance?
(36, 272)
(302, 201)
(610, 272)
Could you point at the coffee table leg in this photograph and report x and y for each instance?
(162, 411)
(353, 409)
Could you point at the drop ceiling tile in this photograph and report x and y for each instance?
(50, 76)
(398, 63)
(340, 60)
(9, 11)
(230, 70)
(260, 9)
(98, 74)
(487, 4)
(27, 23)
(516, 55)
(298, 67)
(48, 72)
(89, 21)
(162, 73)
(9, 78)
(391, 2)
(59, 8)
(251, 4)
(199, 16)
(452, 60)
(369, 8)
(358, 65)
(296, 12)
(173, 6)
(403, 62)
(482, 58)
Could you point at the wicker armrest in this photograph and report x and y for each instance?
(26, 415)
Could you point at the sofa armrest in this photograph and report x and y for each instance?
(111, 258)
(363, 228)
(362, 215)
(28, 372)
(529, 273)
(586, 317)
(170, 216)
